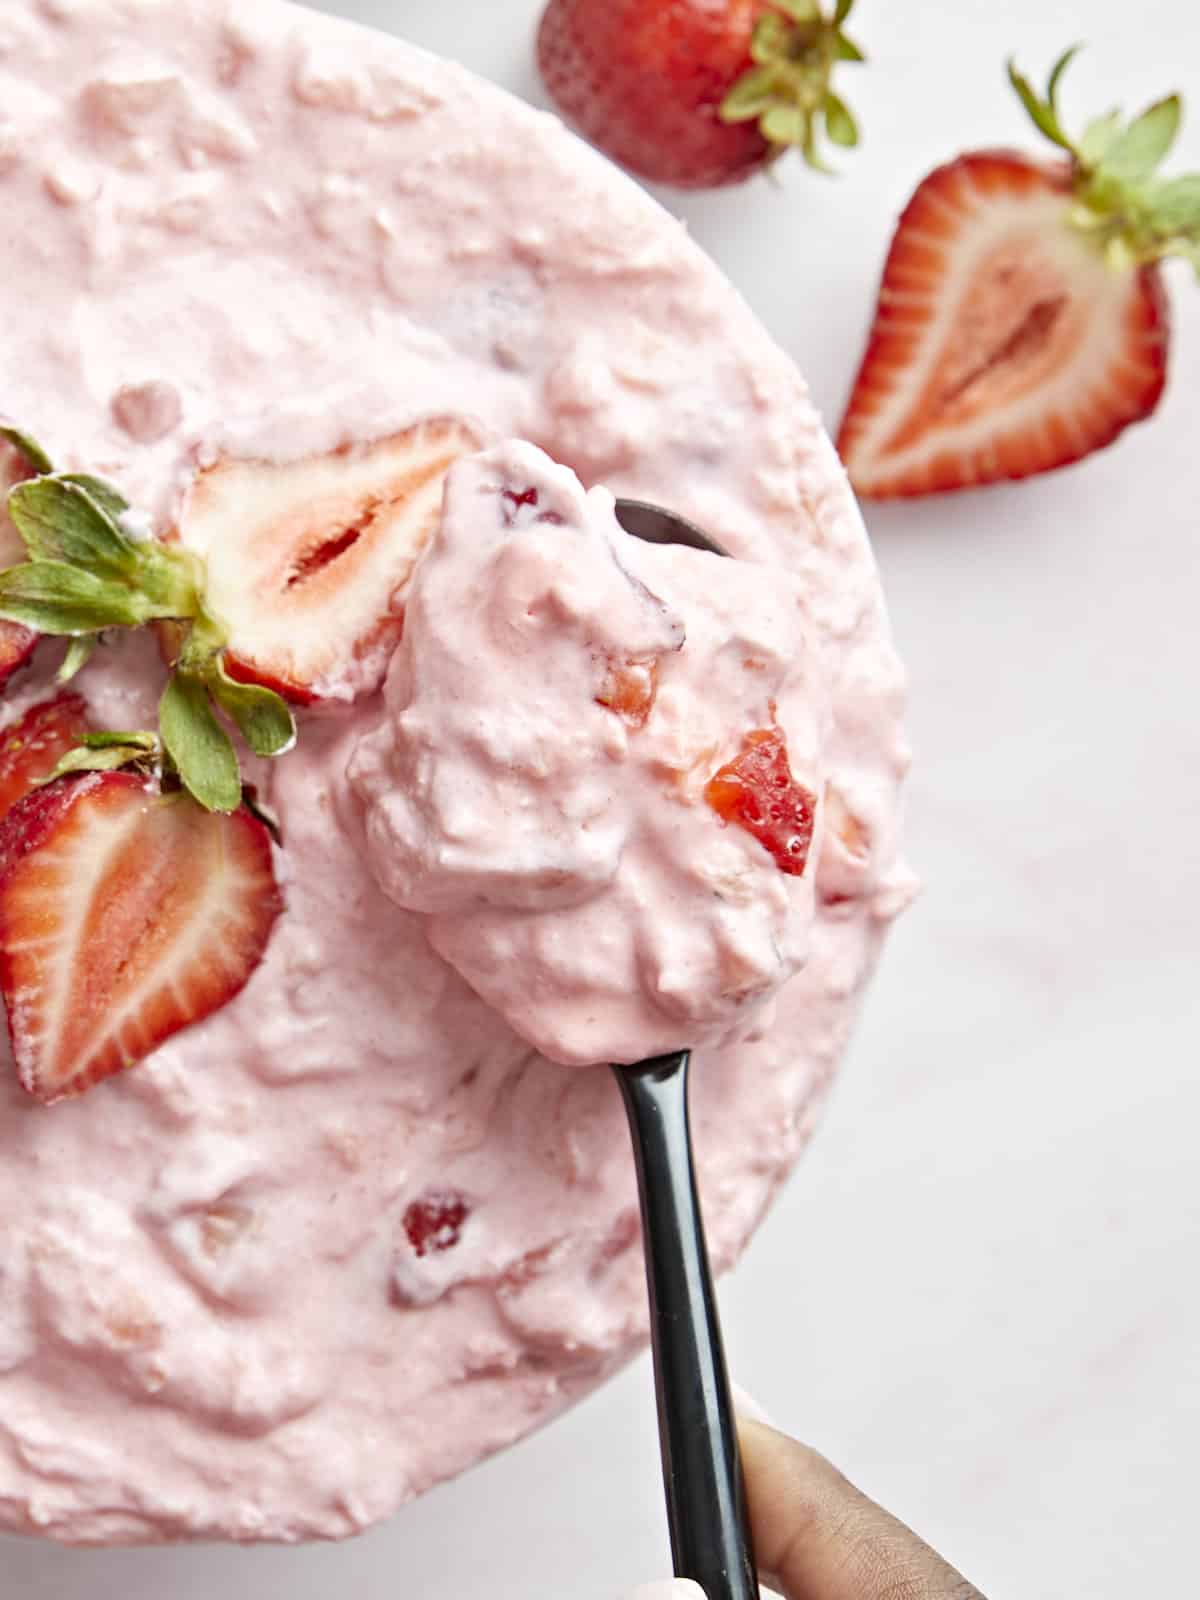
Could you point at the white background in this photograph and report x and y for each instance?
(979, 1293)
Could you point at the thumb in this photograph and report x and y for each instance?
(818, 1538)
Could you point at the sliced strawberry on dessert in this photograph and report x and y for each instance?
(31, 748)
(756, 790)
(698, 93)
(1022, 320)
(305, 560)
(17, 642)
(126, 913)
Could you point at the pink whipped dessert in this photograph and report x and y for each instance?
(353, 1227)
(559, 708)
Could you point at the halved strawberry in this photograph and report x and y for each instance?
(126, 913)
(1022, 321)
(1004, 344)
(306, 560)
(31, 747)
(16, 641)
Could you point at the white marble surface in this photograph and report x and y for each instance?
(980, 1292)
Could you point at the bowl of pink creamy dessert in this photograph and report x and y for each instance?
(338, 1199)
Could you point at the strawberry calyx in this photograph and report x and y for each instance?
(139, 751)
(144, 753)
(28, 448)
(86, 574)
(1134, 216)
(796, 49)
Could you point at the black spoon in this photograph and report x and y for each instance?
(702, 1467)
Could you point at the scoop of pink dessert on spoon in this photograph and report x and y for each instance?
(702, 1469)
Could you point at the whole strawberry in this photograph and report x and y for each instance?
(698, 93)
(1023, 321)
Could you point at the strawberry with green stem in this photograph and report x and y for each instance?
(137, 883)
(1023, 321)
(137, 890)
(85, 575)
(695, 93)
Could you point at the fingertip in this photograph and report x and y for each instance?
(817, 1535)
(779, 1456)
(748, 1408)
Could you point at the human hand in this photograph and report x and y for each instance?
(818, 1538)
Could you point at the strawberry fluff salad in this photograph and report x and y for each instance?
(364, 788)
(547, 786)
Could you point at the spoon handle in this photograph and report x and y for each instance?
(702, 1470)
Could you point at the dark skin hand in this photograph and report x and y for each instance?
(818, 1538)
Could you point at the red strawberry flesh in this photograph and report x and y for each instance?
(17, 644)
(1004, 343)
(126, 914)
(33, 746)
(520, 508)
(757, 791)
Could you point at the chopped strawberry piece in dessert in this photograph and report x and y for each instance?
(630, 689)
(126, 913)
(435, 1221)
(521, 508)
(757, 791)
(307, 560)
(33, 746)
(514, 501)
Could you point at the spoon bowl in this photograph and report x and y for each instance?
(656, 525)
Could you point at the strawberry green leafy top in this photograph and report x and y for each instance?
(788, 92)
(1135, 215)
(85, 574)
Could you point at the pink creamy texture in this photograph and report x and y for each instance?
(573, 871)
(248, 229)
